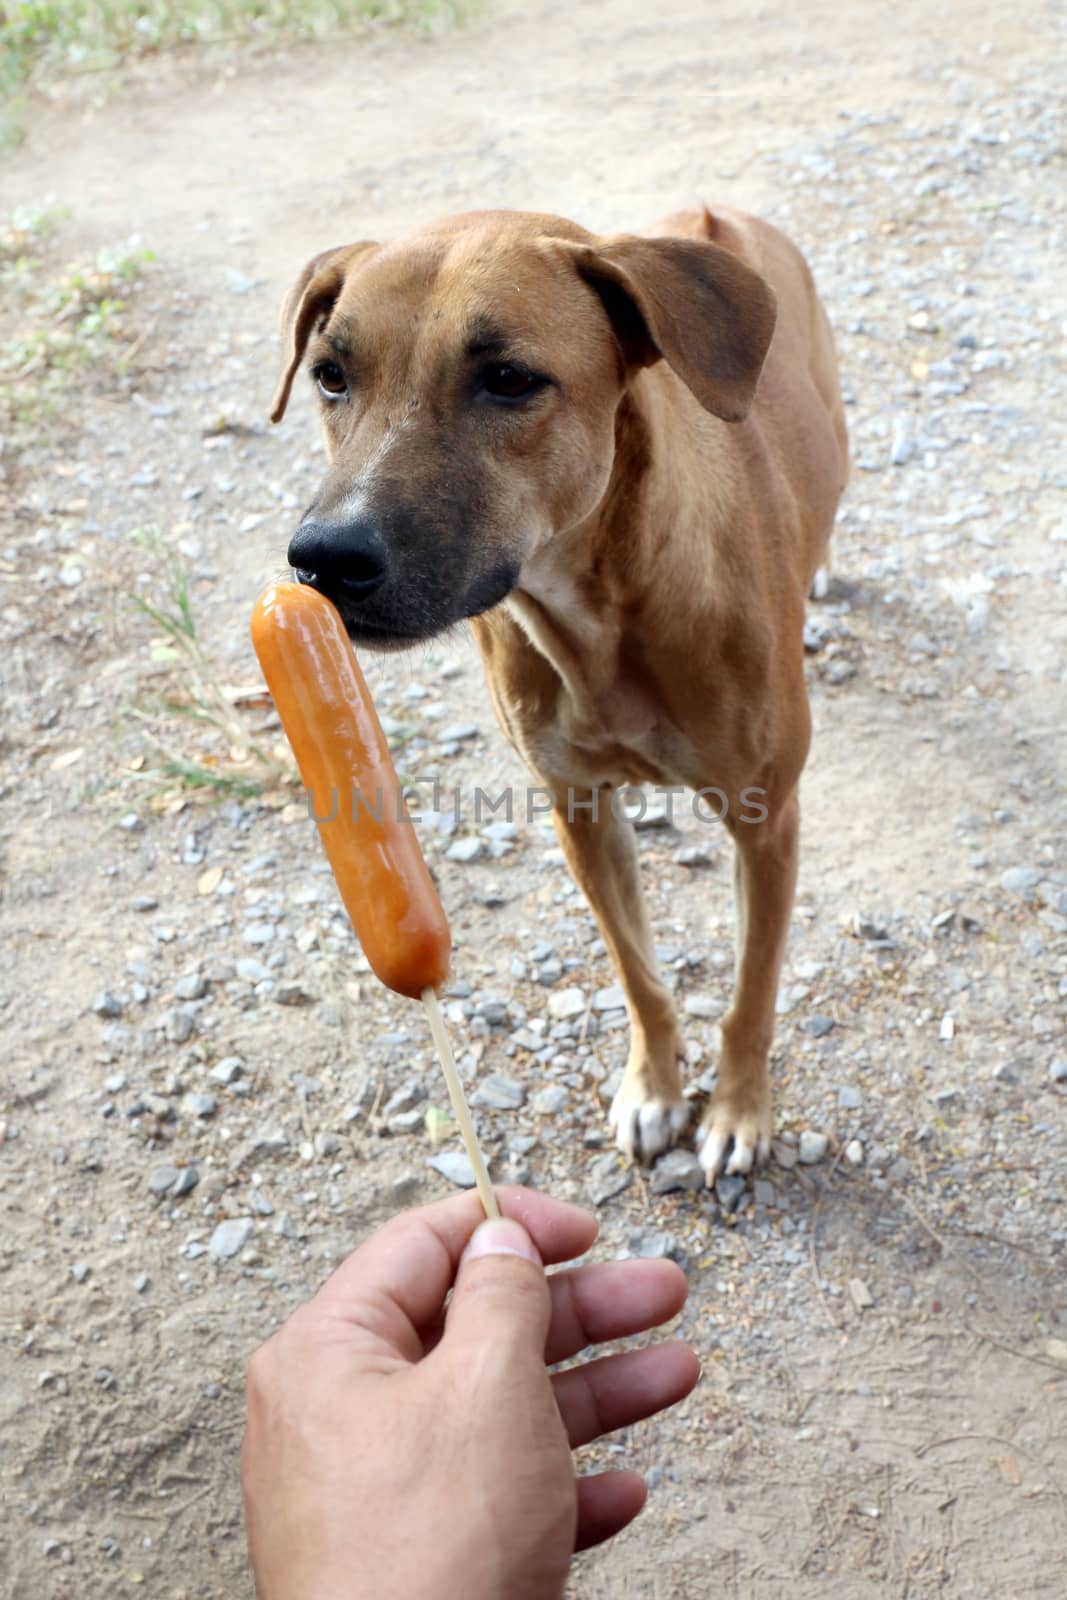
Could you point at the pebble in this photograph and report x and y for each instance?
(502, 1094)
(293, 994)
(811, 1147)
(730, 1191)
(193, 986)
(694, 856)
(549, 1100)
(818, 1026)
(107, 1004)
(161, 1180)
(178, 1024)
(610, 999)
(327, 1144)
(226, 1071)
(700, 1005)
(549, 972)
(259, 1203)
(610, 1183)
(455, 1166)
(677, 1170)
(854, 1153)
(567, 1003)
(469, 849)
(656, 1245)
(185, 1182)
(200, 1105)
(80, 1271)
(860, 1294)
(141, 1282)
(229, 1238)
(259, 933)
(849, 1098)
(1018, 880)
(764, 1193)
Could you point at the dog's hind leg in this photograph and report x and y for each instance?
(737, 1127)
(649, 1111)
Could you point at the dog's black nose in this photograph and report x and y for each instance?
(345, 560)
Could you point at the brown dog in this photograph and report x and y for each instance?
(611, 455)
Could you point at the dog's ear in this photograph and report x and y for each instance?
(692, 303)
(311, 298)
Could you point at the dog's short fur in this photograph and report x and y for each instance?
(621, 457)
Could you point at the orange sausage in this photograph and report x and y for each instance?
(330, 721)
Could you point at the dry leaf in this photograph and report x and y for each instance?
(137, 764)
(209, 881)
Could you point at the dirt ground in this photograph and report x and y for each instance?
(884, 1331)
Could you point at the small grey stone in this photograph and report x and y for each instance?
(550, 1100)
(161, 1180)
(655, 1245)
(455, 1166)
(141, 1282)
(327, 1144)
(1018, 880)
(818, 1025)
(854, 1153)
(678, 1169)
(185, 1182)
(610, 999)
(411, 1093)
(107, 1004)
(230, 1238)
(286, 1227)
(226, 1071)
(193, 986)
(1058, 1070)
(611, 1185)
(259, 1203)
(249, 970)
(130, 822)
(502, 1094)
(178, 1024)
(259, 933)
(468, 849)
(567, 1003)
(80, 1271)
(812, 1146)
(200, 1105)
(406, 1121)
(144, 902)
(849, 1098)
(115, 1082)
(694, 856)
(730, 1191)
(549, 972)
(700, 1005)
(784, 1154)
(764, 1193)
(293, 994)
(458, 731)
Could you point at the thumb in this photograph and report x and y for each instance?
(501, 1295)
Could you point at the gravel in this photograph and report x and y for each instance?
(230, 1238)
(455, 1166)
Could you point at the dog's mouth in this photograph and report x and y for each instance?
(417, 614)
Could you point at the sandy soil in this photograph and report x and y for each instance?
(884, 1407)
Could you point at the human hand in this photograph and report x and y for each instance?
(397, 1449)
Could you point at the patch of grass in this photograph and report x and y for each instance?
(219, 756)
(58, 34)
(59, 322)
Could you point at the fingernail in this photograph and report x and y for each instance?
(501, 1237)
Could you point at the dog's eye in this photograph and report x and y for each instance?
(330, 379)
(509, 383)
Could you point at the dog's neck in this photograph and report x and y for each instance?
(584, 597)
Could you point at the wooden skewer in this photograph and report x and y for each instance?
(459, 1103)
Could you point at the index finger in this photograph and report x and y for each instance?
(394, 1286)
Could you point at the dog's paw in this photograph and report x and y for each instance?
(646, 1125)
(733, 1138)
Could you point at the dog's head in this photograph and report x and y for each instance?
(469, 377)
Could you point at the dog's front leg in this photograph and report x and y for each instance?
(737, 1127)
(648, 1112)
